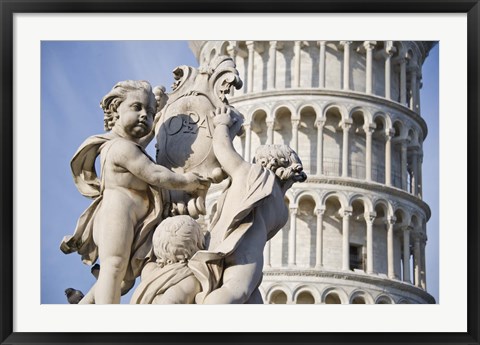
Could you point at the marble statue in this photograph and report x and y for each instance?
(249, 212)
(118, 226)
(169, 280)
(142, 219)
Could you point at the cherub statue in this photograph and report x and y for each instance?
(249, 212)
(169, 280)
(118, 225)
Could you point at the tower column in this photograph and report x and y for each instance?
(295, 123)
(346, 240)
(417, 260)
(319, 124)
(403, 81)
(319, 245)
(415, 173)
(297, 53)
(292, 237)
(403, 163)
(251, 52)
(368, 159)
(390, 248)
(369, 218)
(321, 69)
(423, 280)
(413, 88)
(420, 182)
(369, 45)
(388, 157)
(346, 64)
(346, 128)
(270, 125)
(406, 254)
(272, 61)
(389, 50)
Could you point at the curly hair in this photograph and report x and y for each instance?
(280, 159)
(112, 100)
(176, 239)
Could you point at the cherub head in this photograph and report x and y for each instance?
(176, 239)
(130, 105)
(283, 161)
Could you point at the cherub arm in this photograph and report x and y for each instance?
(131, 157)
(232, 163)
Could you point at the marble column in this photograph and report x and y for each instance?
(388, 157)
(248, 140)
(319, 124)
(403, 81)
(319, 245)
(423, 281)
(346, 64)
(346, 128)
(369, 218)
(321, 67)
(389, 51)
(346, 240)
(295, 124)
(403, 163)
(270, 125)
(292, 238)
(369, 45)
(251, 56)
(413, 87)
(415, 173)
(368, 154)
(297, 52)
(420, 182)
(416, 259)
(390, 248)
(272, 61)
(406, 254)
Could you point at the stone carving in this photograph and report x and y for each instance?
(185, 130)
(133, 195)
(127, 197)
(249, 212)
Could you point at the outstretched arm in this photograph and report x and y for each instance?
(132, 158)
(232, 163)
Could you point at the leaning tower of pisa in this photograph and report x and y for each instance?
(351, 109)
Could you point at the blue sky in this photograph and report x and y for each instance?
(77, 74)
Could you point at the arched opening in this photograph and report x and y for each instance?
(332, 143)
(358, 300)
(259, 130)
(397, 164)
(283, 127)
(378, 150)
(332, 233)
(358, 235)
(380, 247)
(306, 232)
(383, 300)
(333, 298)
(357, 150)
(305, 297)
(307, 139)
(279, 244)
(278, 297)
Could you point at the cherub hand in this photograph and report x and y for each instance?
(160, 96)
(223, 116)
(195, 182)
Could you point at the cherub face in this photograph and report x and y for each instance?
(135, 114)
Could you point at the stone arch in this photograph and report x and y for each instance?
(384, 118)
(306, 231)
(310, 295)
(308, 138)
(334, 295)
(357, 147)
(366, 201)
(382, 125)
(384, 299)
(367, 116)
(342, 110)
(360, 297)
(333, 229)
(385, 205)
(258, 127)
(278, 295)
(279, 242)
(334, 194)
(283, 129)
(333, 140)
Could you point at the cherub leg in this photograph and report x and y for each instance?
(114, 239)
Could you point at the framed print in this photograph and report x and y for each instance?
(371, 97)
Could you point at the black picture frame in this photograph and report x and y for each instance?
(9, 7)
